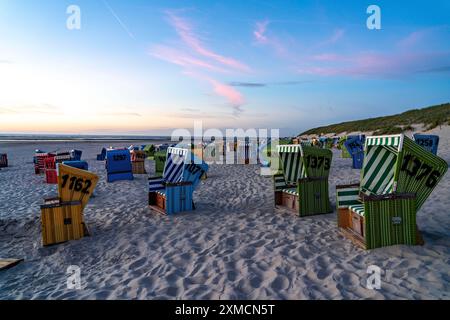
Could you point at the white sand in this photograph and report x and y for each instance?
(234, 246)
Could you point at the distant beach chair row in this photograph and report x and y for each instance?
(354, 147)
(3, 160)
(47, 163)
(397, 176)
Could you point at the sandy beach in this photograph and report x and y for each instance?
(234, 246)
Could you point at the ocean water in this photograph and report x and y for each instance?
(62, 138)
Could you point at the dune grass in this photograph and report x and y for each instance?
(430, 117)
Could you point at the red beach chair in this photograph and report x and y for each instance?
(51, 175)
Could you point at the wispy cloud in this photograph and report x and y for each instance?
(121, 23)
(196, 59)
(187, 34)
(261, 37)
(266, 84)
(260, 31)
(5, 61)
(7, 111)
(381, 65)
(44, 108)
(327, 57)
(442, 69)
(125, 114)
(178, 57)
(333, 39)
(197, 114)
(228, 92)
(248, 84)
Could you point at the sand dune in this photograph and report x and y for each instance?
(234, 246)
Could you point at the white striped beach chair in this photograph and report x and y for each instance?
(173, 192)
(396, 179)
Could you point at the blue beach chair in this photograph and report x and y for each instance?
(427, 141)
(102, 155)
(174, 191)
(76, 155)
(83, 165)
(118, 165)
(355, 146)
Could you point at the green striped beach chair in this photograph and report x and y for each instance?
(160, 161)
(396, 179)
(302, 183)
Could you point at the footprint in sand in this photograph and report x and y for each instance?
(280, 283)
(138, 263)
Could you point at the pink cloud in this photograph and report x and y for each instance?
(177, 57)
(260, 31)
(228, 92)
(193, 56)
(380, 65)
(334, 38)
(327, 57)
(188, 36)
(261, 37)
(412, 39)
(337, 35)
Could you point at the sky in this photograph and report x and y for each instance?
(147, 67)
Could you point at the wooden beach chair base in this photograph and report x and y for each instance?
(354, 237)
(180, 199)
(9, 263)
(354, 227)
(311, 197)
(62, 221)
(138, 168)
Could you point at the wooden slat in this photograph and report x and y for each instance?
(355, 238)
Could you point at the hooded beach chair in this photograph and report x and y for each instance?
(149, 150)
(427, 141)
(247, 152)
(174, 191)
(62, 156)
(118, 165)
(355, 147)
(397, 177)
(62, 217)
(83, 165)
(51, 173)
(138, 161)
(3, 160)
(76, 155)
(302, 184)
(39, 161)
(102, 155)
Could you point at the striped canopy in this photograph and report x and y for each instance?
(300, 161)
(173, 169)
(182, 165)
(194, 170)
(396, 163)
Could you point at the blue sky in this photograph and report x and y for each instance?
(145, 67)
